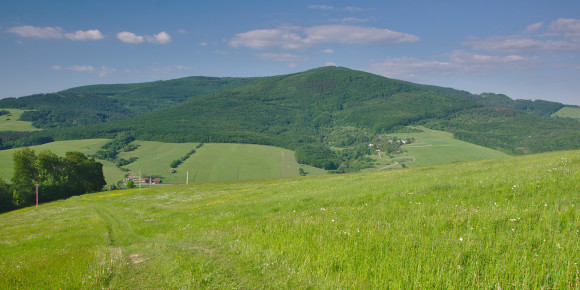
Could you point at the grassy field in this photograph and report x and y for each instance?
(568, 112)
(433, 147)
(211, 162)
(214, 162)
(9, 122)
(438, 147)
(503, 223)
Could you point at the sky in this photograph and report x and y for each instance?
(525, 49)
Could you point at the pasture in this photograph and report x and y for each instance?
(437, 147)
(10, 122)
(210, 163)
(503, 223)
(568, 112)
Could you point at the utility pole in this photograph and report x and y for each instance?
(187, 178)
(139, 178)
(150, 181)
(37, 195)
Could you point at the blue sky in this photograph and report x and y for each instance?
(525, 49)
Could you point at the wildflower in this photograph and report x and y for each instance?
(461, 239)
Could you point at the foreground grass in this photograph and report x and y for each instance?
(511, 223)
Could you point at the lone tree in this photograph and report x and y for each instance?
(5, 197)
(25, 176)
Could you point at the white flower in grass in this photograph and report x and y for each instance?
(461, 239)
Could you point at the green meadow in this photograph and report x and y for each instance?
(502, 223)
(210, 163)
(568, 112)
(438, 147)
(10, 122)
(214, 162)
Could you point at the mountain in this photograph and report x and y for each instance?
(306, 108)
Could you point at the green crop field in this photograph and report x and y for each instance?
(568, 112)
(503, 223)
(438, 147)
(211, 162)
(214, 162)
(10, 122)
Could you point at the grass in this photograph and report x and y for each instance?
(214, 162)
(568, 112)
(503, 223)
(10, 122)
(211, 162)
(437, 147)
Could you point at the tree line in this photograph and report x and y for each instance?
(57, 177)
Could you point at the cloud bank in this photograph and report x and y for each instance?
(298, 38)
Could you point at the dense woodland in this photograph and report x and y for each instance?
(297, 111)
(57, 177)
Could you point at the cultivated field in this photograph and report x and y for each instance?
(9, 122)
(568, 112)
(211, 162)
(215, 162)
(438, 147)
(503, 223)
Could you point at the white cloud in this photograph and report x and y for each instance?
(37, 32)
(518, 44)
(82, 68)
(570, 27)
(328, 51)
(102, 71)
(282, 57)
(296, 38)
(330, 64)
(525, 42)
(351, 20)
(94, 34)
(458, 63)
(347, 34)
(130, 37)
(533, 28)
(269, 38)
(54, 33)
(160, 38)
(323, 7)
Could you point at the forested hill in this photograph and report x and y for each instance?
(94, 104)
(304, 108)
(291, 109)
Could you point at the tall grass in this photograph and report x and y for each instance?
(509, 223)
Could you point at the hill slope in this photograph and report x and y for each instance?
(297, 110)
(480, 224)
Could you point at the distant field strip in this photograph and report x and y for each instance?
(10, 122)
(568, 112)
